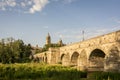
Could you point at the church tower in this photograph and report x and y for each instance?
(48, 39)
(60, 42)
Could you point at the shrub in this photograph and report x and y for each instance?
(38, 71)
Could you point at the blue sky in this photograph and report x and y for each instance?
(31, 20)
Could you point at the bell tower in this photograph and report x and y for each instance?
(60, 42)
(48, 39)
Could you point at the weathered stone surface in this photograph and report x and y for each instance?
(102, 52)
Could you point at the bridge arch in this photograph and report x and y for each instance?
(113, 58)
(65, 59)
(74, 59)
(114, 51)
(61, 58)
(96, 58)
(113, 54)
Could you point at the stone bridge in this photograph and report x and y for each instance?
(99, 53)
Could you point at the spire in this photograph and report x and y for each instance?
(48, 35)
(83, 35)
(48, 39)
(60, 42)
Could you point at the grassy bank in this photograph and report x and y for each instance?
(39, 71)
(36, 71)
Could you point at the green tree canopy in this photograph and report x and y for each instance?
(12, 51)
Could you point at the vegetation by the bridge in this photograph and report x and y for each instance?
(14, 51)
(102, 76)
(39, 71)
(106, 75)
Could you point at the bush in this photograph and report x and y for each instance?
(107, 76)
(38, 71)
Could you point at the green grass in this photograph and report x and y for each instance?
(39, 71)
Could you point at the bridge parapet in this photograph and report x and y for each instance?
(100, 40)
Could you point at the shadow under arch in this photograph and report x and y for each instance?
(96, 59)
(74, 59)
(62, 56)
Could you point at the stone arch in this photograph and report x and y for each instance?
(82, 59)
(112, 61)
(74, 59)
(65, 59)
(114, 51)
(96, 58)
(61, 58)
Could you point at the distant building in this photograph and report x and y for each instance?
(48, 42)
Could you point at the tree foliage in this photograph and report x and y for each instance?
(12, 51)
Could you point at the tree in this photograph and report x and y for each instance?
(13, 51)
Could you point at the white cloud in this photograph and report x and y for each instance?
(29, 6)
(64, 1)
(11, 3)
(7, 3)
(23, 4)
(38, 5)
(29, 3)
